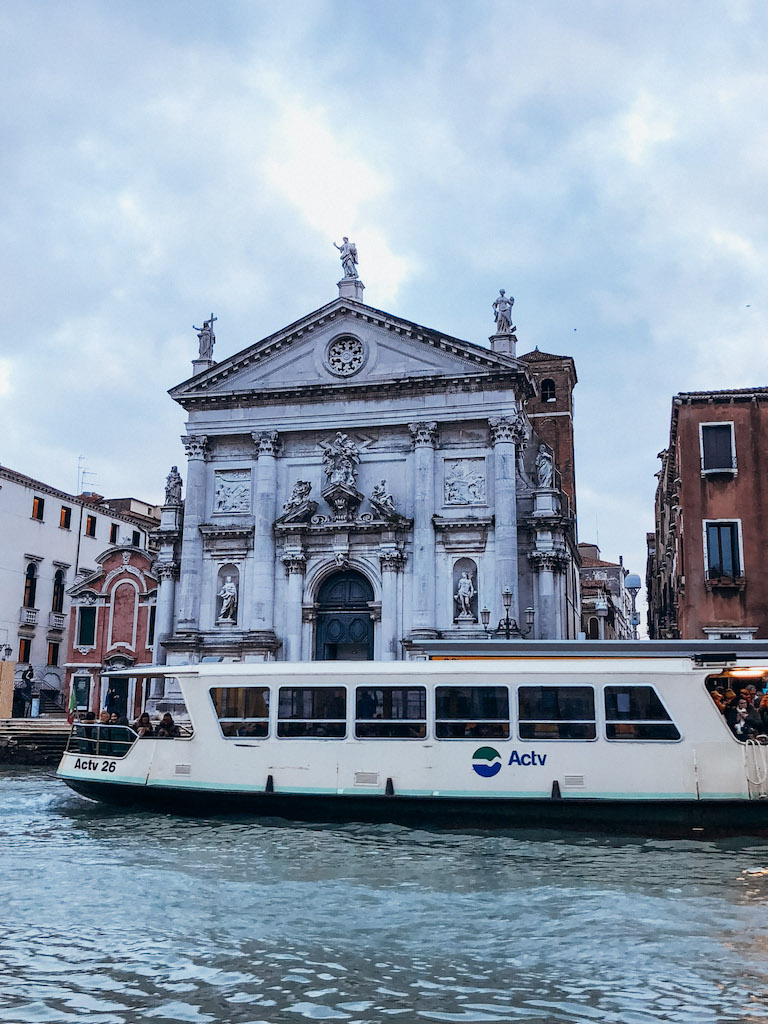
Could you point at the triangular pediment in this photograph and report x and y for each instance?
(343, 343)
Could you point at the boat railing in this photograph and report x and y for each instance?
(101, 740)
(756, 765)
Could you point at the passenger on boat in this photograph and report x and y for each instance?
(104, 717)
(167, 729)
(115, 719)
(718, 696)
(744, 720)
(143, 725)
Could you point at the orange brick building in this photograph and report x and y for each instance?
(707, 557)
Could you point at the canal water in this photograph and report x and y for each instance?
(115, 918)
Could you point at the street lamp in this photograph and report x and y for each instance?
(633, 585)
(507, 626)
(7, 652)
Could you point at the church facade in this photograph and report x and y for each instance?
(356, 482)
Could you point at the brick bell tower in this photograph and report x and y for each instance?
(551, 411)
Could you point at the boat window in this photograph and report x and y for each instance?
(472, 712)
(242, 710)
(557, 712)
(312, 711)
(391, 712)
(636, 713)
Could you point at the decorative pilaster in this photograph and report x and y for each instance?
(546, 565)
(424, 437)
(505, 433)
(263, 597)
(196, 448)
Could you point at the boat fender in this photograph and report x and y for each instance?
(556, 790)
(390, 789)
(270, 786)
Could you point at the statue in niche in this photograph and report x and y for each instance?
(299, 494)
(348, 257)
(340, 459)
(173, 487)
(381, 498)
(544, 467)
(228, 597)
(502, 313)
(465, 591)
(206, 338)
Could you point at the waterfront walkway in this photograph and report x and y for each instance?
(33, 740)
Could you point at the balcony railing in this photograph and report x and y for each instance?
(56, 620)
(28, 616)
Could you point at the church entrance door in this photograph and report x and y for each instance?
(344, 622)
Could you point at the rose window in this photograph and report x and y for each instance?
(346, 356)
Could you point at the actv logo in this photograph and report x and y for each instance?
(487, 762)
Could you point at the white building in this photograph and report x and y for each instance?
(48, 539)
(357, 482)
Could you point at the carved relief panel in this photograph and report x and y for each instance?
(464, 482)
(232, 491)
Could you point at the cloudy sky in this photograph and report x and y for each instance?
(603, 161)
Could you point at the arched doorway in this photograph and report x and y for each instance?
(344, 622)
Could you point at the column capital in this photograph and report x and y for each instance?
(392, 561)
(509, 428)
(423, 434)
(166, 571)
(195, 445)
(295, 563)
(548, 561)
(267, 443)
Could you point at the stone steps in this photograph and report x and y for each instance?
(33, 740)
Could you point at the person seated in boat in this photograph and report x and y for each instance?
(143, 725)
(115, 719)
(104, 716)
(167, 729)
(718, 696)
(744, 720)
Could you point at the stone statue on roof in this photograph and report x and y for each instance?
(173, 487)
(502, 313)
(348, 257)
(206, 337)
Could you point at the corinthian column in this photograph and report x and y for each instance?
(391, 564)
(263, 604)
(424, 437)
(192, 542)
(295, 565)
(505, 434)
(167, 573)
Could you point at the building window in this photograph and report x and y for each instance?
(30, 585)
(114, 532)
(548, 393)
(90, 526)
(66, 517)
(723, 558)
(151, 626)
(86, 627)
(53, 653)
(717, 448)
(57, 605)
(25, 650)
(38, 506)
(136, 539)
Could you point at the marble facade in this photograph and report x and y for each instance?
(360, 448)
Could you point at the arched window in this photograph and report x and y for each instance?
(548, 390)
(30, 585)
(57, 605)
(593, 629)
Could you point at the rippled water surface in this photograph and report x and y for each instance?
(110, 917)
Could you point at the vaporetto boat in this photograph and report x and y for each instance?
(588, 736)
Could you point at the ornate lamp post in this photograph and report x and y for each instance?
(633, 585)
(507, 627)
